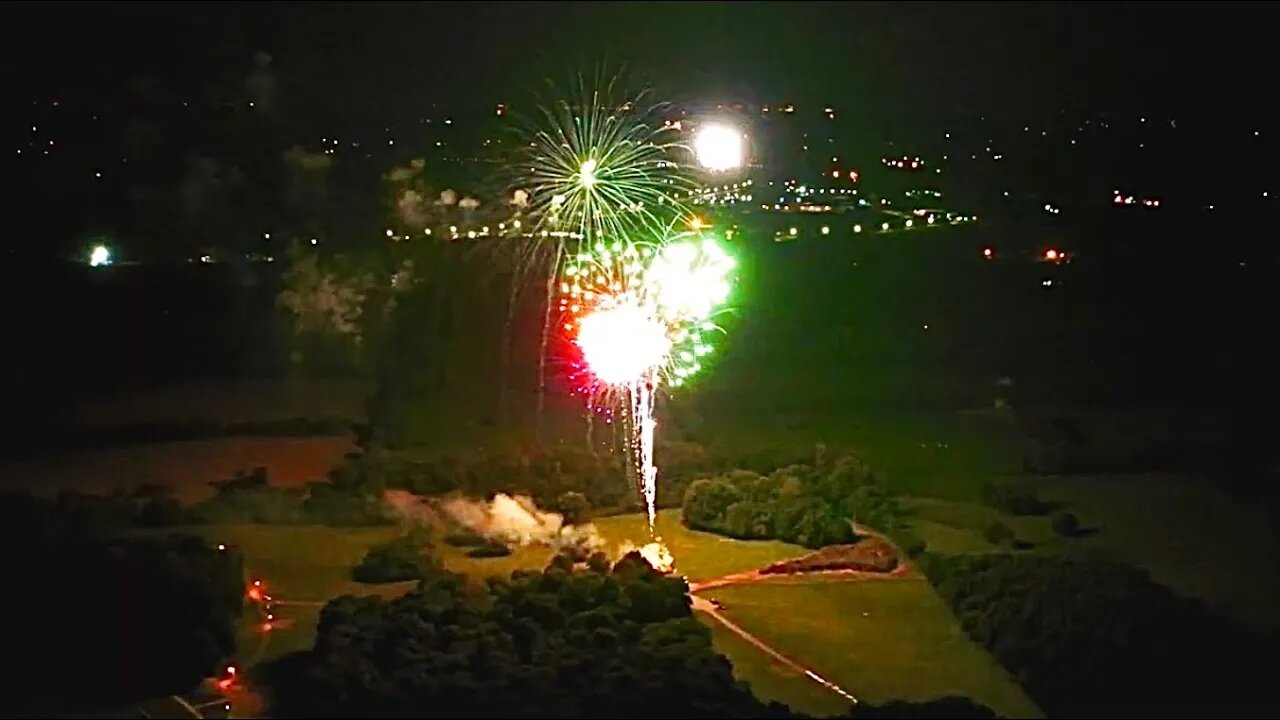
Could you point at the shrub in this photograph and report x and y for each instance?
(804, 504)
(1066, 524)
(997, 533)
(489, 550)
(404, 558)
(912, 546)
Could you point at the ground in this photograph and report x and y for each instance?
(879, 639)
(816, 623)
(1186, 533)
(188, 467)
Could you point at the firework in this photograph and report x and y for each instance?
(602, 165)
(718, 148)
(638, 316)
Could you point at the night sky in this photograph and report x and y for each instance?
(341, 61)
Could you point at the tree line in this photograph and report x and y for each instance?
(1087, 637)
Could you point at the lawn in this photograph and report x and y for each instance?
(698, 555)
(1183, 531)
(951, 527)
(186, 466)
(946, 455)
(880, 640)
(771, 681)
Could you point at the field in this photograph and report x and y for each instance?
(1183, 531)
(879, 639)
(920, 652)
(187, 467)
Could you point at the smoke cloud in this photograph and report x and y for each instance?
(512, 520)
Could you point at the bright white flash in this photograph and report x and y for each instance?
(99, 256)
(622, 343)
(587, 173)
(718, 148)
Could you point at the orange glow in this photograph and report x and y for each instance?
(1050, 254)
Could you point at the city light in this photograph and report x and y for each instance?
(718, 148)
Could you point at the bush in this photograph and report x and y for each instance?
(809, 505)
(997, 533)
(1087, 637)
(1066, 524)
(405, 558)
(912, 546)
(573, 506)
(489, 550)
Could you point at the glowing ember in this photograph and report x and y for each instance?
(658, 556)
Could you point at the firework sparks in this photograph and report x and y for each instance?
(658, 556)
(637, 316)
(602, 166)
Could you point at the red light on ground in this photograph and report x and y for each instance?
(255, 594)
(224, 684)
(266, 627)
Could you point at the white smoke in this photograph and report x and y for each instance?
(518, 521)
(512, 520)
(411, 509)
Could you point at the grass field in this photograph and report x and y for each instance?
(880, 640)
(945, 455)
(698, 555)
(308, 564)
(187, 467)
(1185, 533)
(952, 527)
(771, 681)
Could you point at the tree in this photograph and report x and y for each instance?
(997, 533)
(1066, 524)
(573, 506)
